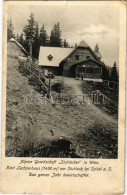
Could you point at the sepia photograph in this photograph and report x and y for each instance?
(62, 83)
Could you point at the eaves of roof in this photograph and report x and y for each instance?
(76, 49)
(98, 62)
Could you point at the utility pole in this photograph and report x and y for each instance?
(49, 76)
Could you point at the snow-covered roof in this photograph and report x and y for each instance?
(52, 56)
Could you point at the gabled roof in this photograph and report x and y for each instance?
(98, 54)
(84, 45)
(58, 54)
(98, 62)
(13, 40)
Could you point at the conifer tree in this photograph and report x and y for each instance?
(114, 73)
(30, 32)
(105, 73)
(10, 30)
(43, 36)
(65, 44)
(21, 39)
(17, 38)
(55, 37)
(30, 29)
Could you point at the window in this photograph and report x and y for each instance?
(81, 69)
(76, 57)
(97, 70)
(50, 57)
(89, 70)
(87, 57)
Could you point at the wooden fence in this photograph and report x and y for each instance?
(101, 100)
(30, 68)
(111, 84)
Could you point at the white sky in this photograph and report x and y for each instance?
(92, 24)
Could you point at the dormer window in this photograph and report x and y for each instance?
(50, 57)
